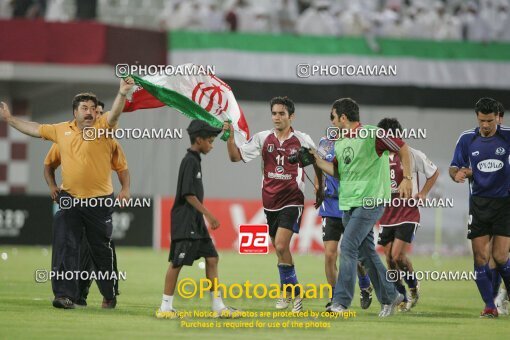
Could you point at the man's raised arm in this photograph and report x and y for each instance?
(23, 126)
(233, 151)
(120, 100)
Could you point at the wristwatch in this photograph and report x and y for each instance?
(408, 177)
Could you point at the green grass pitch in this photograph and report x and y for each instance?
(447, 310)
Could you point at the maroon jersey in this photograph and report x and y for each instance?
(283, 183)
(397, 214)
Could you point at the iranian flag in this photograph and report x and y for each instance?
(204, 97)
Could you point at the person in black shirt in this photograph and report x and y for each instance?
(190, 238)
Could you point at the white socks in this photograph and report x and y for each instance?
(217, 301)
(166, 303)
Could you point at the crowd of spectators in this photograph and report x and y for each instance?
(481, 20)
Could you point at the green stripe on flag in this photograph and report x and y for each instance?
(181, 103)
(284, 43)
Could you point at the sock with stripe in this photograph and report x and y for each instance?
(401, 289)
(166, 303)
(288, 276)
(496, 281)
(217, 301)
(504, 272)
(363, 281)
(484, 284)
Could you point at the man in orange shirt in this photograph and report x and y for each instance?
(119, 165)
(86, 176)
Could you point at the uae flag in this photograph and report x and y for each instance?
(204, 97)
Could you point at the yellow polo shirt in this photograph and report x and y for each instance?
(86, 164)
(118, 163)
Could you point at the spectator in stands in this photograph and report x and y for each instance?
(257, 20)
(317, 20)
(504, 34)
(212, 12)
(425, 19)
(353, 20)
(475, 28)
(409, 25)
(236, 14)
(287, 15)
(494, 13)
(388, 21)
(186, 15)
(448, 27)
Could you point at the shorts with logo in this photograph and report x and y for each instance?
(184, 252)
(288, 218)
(404, 232)
(488, 216)
(332, 229)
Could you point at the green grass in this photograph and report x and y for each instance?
(446, 309)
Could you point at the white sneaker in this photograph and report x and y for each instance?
(502, 295)
(336, 308)
(170, 314)
(283, 303)
(298, 305)
(503, 307)
(387, 310)
(501, 301)
(227, 313)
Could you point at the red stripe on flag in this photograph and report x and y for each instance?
(243, 125)
(141, 100)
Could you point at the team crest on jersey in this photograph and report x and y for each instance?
(476, 153)
(348, 155)
(270, 147)
(500, 151)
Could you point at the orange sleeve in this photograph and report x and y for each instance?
(102, 122)
(48, 131)
(119, 162)
(53, 157)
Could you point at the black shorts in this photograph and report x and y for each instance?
(332, 229)
(288, 218)
(488, 216)
(184, 252)
(404, 232)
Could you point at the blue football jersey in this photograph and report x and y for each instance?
(489, 159)
(329, 207)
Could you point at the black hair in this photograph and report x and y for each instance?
(204, 134)
(285, 101)
(100, 103)
(390, 125)
(486, 106)
(347, 107)
(501, 109)
(83, 97)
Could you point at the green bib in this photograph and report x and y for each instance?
(363, 174)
